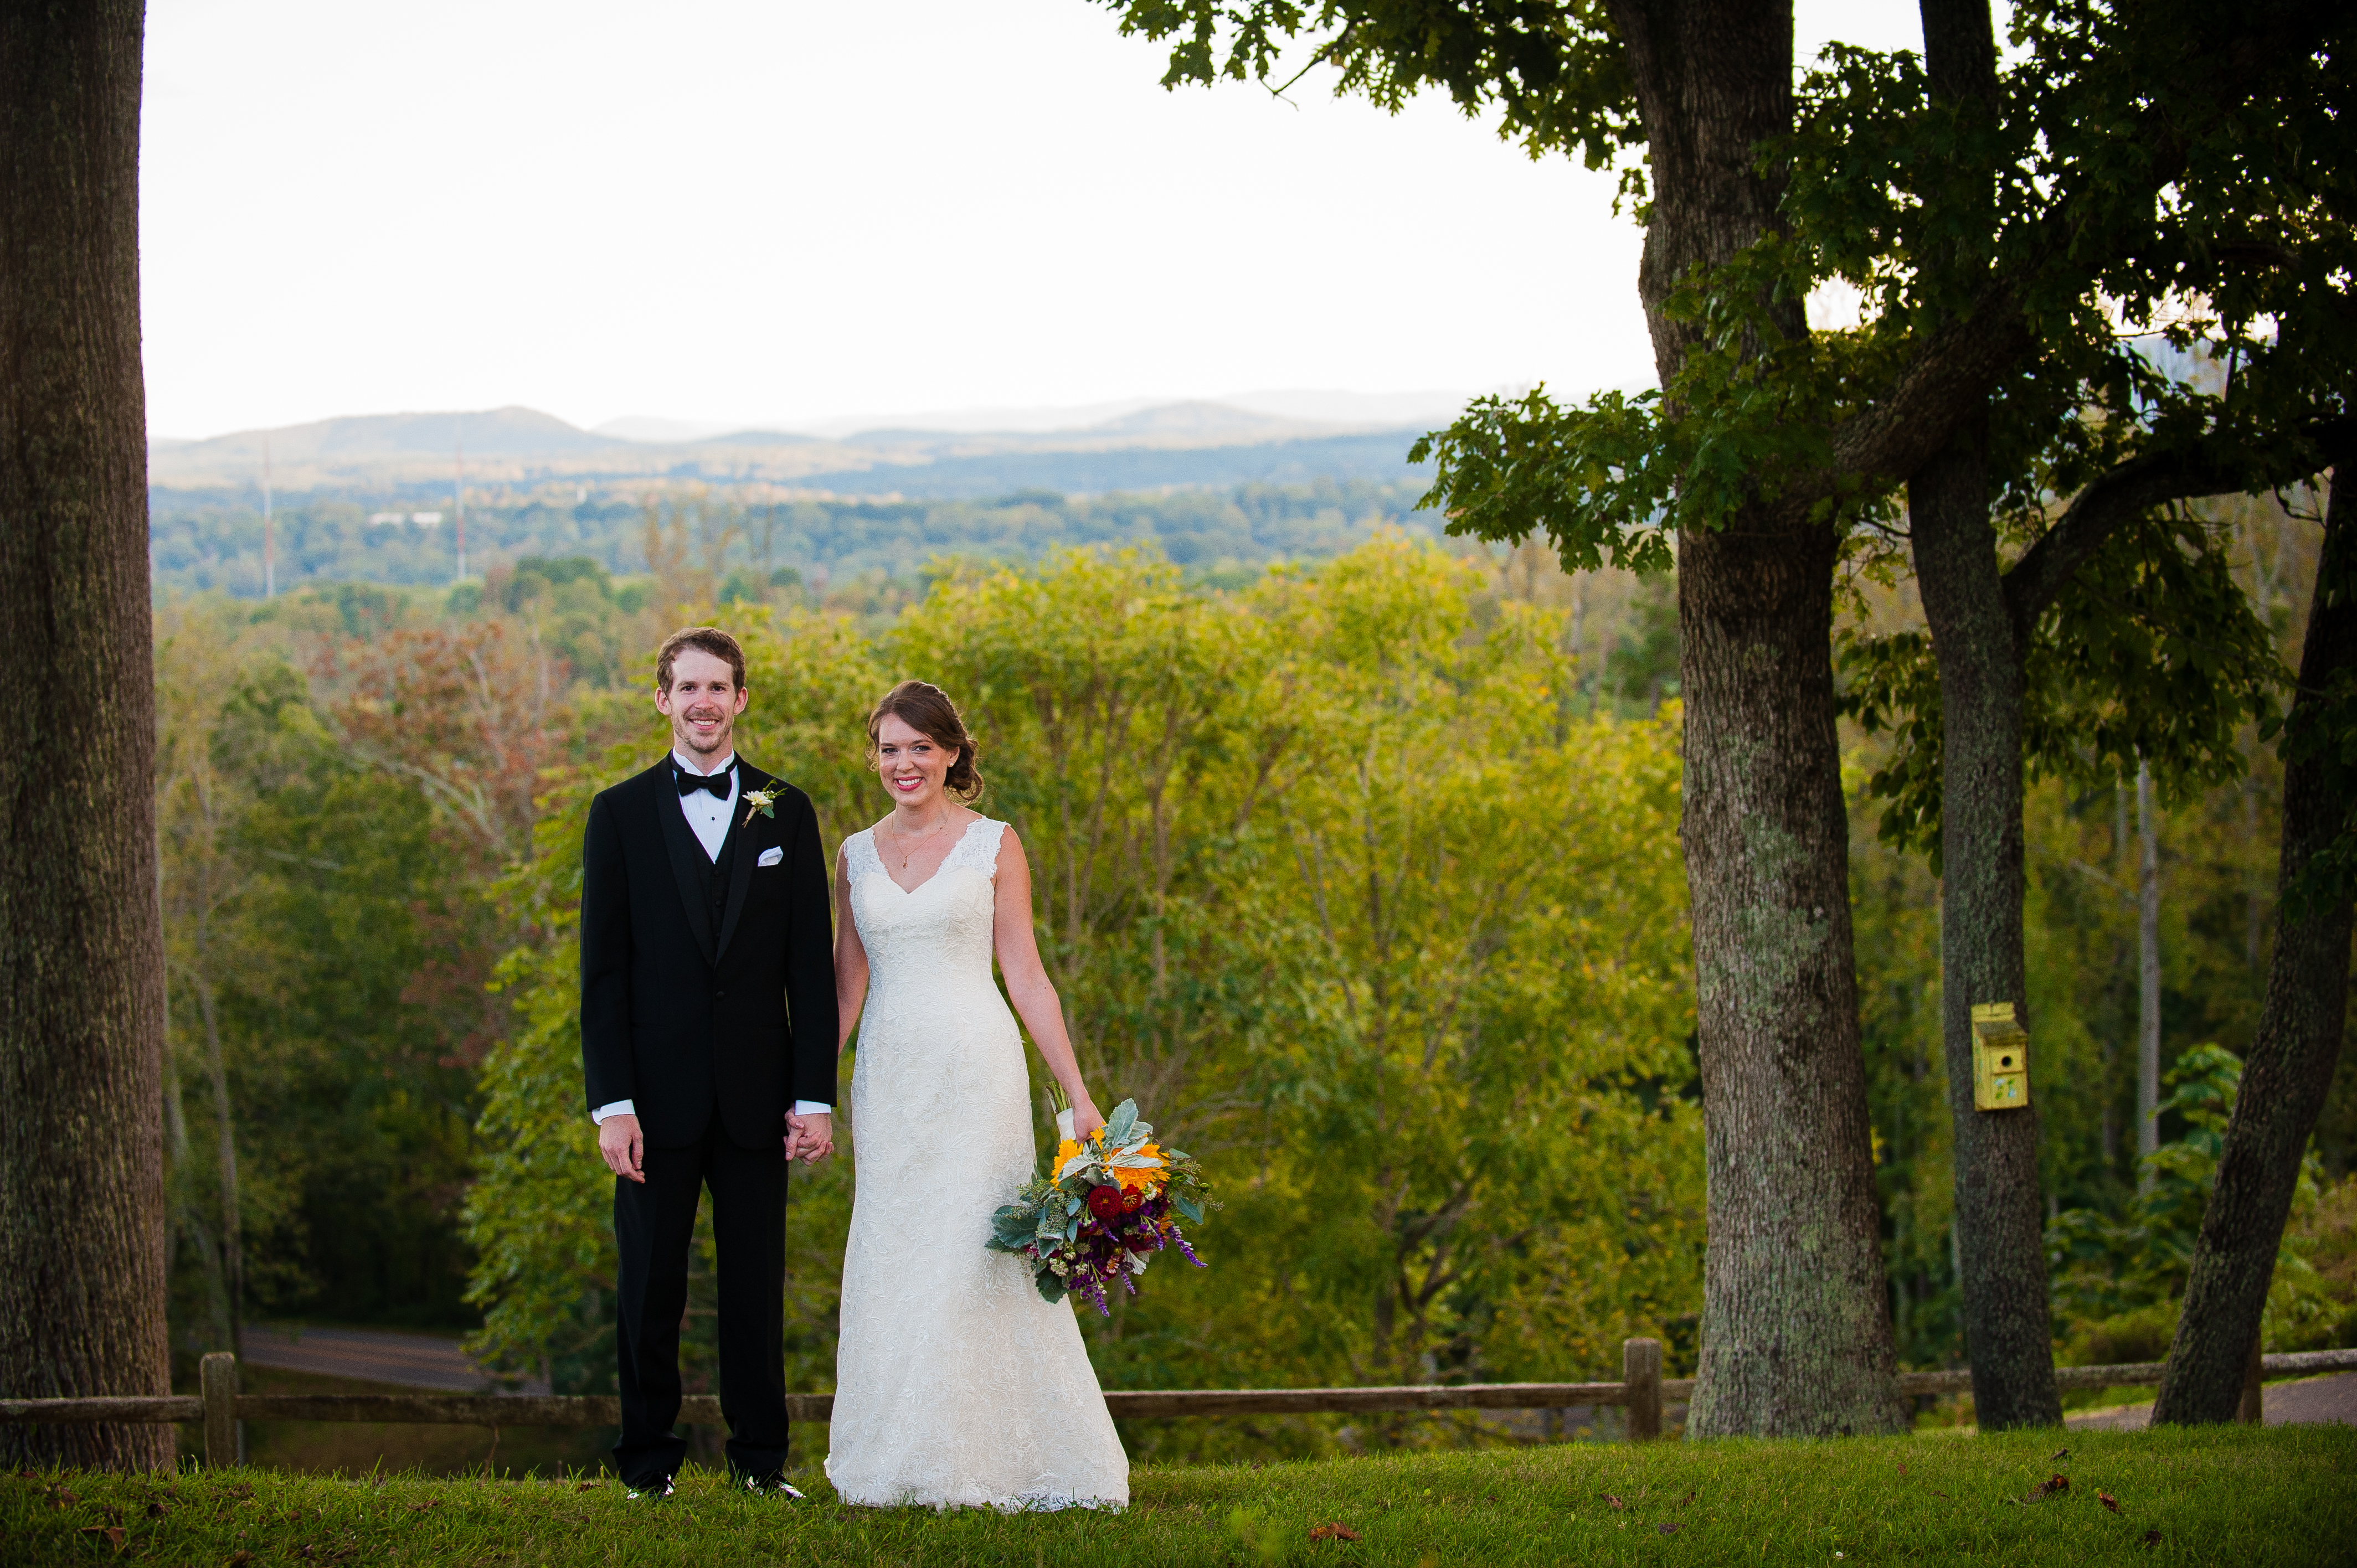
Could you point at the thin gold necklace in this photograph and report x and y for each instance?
(927, 838)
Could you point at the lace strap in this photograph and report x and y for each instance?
(859, 850)
(979, 847)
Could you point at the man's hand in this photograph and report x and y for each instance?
(809, 1138)
(624, 1147)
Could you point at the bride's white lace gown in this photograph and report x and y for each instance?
(955, 1385)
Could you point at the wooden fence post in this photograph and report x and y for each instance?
(218, 1374)
(2252, 1408)
(1641, 1370)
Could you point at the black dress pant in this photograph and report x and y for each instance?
(654, 1224)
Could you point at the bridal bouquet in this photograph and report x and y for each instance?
(1102, 1209)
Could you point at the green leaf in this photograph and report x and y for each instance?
(1119, 1124)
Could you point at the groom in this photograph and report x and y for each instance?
(708, 1043)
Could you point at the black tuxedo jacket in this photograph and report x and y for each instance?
(681, 1018)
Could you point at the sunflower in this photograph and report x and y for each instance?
(1139, 1180)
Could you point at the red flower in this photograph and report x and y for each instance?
(1104, 1202)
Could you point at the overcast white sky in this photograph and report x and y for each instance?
(782, 211)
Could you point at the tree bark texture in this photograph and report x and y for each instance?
(1796, 1319)
(81, 995)
(2000, 1234)
(2148, 1105)
(2292, 1056)
(2000, 1231)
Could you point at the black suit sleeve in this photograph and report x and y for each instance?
(605, 960)
(810, 958)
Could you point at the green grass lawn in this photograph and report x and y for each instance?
(2284, 1494)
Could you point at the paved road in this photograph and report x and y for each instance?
(376, 1356)
(2311, 1401)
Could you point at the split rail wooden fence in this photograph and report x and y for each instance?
(1642, 1391)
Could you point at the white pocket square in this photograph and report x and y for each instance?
(771, 857)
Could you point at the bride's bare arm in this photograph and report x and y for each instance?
(850, 958)
(1027, 985)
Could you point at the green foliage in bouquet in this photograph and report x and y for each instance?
(1101, 1207)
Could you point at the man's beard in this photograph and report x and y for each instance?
(713, 747)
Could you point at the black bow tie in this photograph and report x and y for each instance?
(719, 783)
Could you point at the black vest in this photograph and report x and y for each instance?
(716, 875)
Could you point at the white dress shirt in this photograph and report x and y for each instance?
(707, 818)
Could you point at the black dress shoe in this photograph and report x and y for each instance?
(660, 1487)
(773, 1484)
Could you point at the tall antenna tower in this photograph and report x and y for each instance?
(458, 449)
(269, 559)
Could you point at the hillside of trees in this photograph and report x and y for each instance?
(747, 536)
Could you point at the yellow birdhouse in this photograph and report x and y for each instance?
(2000, 1059)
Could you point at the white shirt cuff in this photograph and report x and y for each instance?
(812, 1108)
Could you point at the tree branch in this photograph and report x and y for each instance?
(2095, 513)
(1952, 374)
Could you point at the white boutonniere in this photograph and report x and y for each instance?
(762, 800)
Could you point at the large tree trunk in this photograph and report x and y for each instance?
(1796, 1320)
(2000, 1238)
(2299, 1040)
(1999, 1229)
(81, 1211)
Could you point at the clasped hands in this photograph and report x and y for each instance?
(623, 1146)
(809, 1137)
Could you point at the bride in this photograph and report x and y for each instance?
(955, 1384)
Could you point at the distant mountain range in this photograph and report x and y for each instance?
(1155, 444)
(1348, 409)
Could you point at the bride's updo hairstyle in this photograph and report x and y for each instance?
(926, 709)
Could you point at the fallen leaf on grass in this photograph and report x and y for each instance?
(236, 1558)
(59, 1497)
(2151, 1538)
(421, 1508)
(1902, 1466)
(157, 1511)
(586, 1486)
(1667, 1528)
(1615, 1502)
(2108, 1500)
(2048, 1487)
(1685, 1500)
(111, 1533)
(2058, 1453)
(1333, 1533)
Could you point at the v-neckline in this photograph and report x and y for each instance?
(928, 882)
